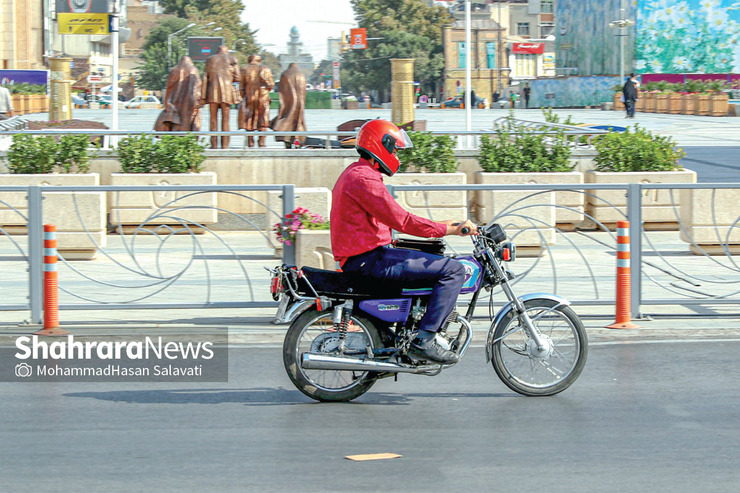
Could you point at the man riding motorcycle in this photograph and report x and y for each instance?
(364, 213)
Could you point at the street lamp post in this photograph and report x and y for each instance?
(169, 42)
(622, 24)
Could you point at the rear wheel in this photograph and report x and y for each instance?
(534, 371)
(314, 332)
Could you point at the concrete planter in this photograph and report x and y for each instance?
(710, 220)
(79, 216)
(532, 214)
(128, 210)
(658, 210)
(313, 249)
(569, 205)
(437, 206)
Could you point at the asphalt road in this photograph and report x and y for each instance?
(643, 417)
(713, 164)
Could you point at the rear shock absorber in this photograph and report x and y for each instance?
(342, 318)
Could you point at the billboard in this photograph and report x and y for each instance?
(10, 77)
(201, 48)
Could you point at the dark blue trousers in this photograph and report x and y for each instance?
(414, 269)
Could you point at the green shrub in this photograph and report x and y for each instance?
(516, 149)
(180, 154)
(432, 154)
(26, 88)
(43, 154)
(170, 154)
(637, 150)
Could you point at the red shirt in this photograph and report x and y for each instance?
(363, 213)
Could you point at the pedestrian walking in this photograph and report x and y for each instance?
(630, 95)
(526, 91)
(6, 105)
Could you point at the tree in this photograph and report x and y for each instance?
(408, 29)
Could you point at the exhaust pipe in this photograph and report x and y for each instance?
(317, 361)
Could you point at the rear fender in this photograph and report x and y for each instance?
(288, 310)
(554, 300)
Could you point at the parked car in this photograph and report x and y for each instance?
(79, 102)
(457, 101)
(143, 102)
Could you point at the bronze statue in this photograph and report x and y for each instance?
(292, 93)
(181, 111)
(222, 70)
(255, 84)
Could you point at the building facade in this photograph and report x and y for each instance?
(511, 42)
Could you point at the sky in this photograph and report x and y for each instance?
(275, 18)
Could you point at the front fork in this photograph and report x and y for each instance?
(518, 306)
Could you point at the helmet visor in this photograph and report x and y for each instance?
(406, 140)
(400, 140)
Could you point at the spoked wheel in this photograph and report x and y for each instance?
(534, 371)
(314, 332)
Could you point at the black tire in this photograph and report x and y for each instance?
(513, 355)
(313, 331)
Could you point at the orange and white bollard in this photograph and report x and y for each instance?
(624, 283)
(51, 285)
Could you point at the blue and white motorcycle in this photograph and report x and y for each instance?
(347, 331)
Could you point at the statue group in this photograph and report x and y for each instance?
(187, 93)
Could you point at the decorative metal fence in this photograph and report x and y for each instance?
(170, 260)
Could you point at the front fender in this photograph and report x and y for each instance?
(504, 311)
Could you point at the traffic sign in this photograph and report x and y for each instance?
(95, 79)
(87, 24)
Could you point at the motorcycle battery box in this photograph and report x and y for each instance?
(434, 245)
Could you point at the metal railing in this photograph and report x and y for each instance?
(170, 261)
(328, 139)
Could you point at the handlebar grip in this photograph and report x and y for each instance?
(464, 231)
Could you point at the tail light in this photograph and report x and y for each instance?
(276, 286)
(506, 252)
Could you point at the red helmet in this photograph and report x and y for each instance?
(379, 139)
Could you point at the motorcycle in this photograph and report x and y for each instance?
(347, 331)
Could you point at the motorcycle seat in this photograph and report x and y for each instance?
(342, 284)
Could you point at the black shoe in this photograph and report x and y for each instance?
(426, 346)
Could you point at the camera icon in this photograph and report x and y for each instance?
(23, 370)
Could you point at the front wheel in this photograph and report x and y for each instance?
(534, 371)
(314, 332)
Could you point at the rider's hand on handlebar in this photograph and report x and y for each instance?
(462, 229)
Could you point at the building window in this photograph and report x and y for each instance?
(546, 7)
(461, 54)
(547, 29)
(522, 28)
(490, 54)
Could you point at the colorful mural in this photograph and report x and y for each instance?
(669, 37)
(572, 91)
(699, 36)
